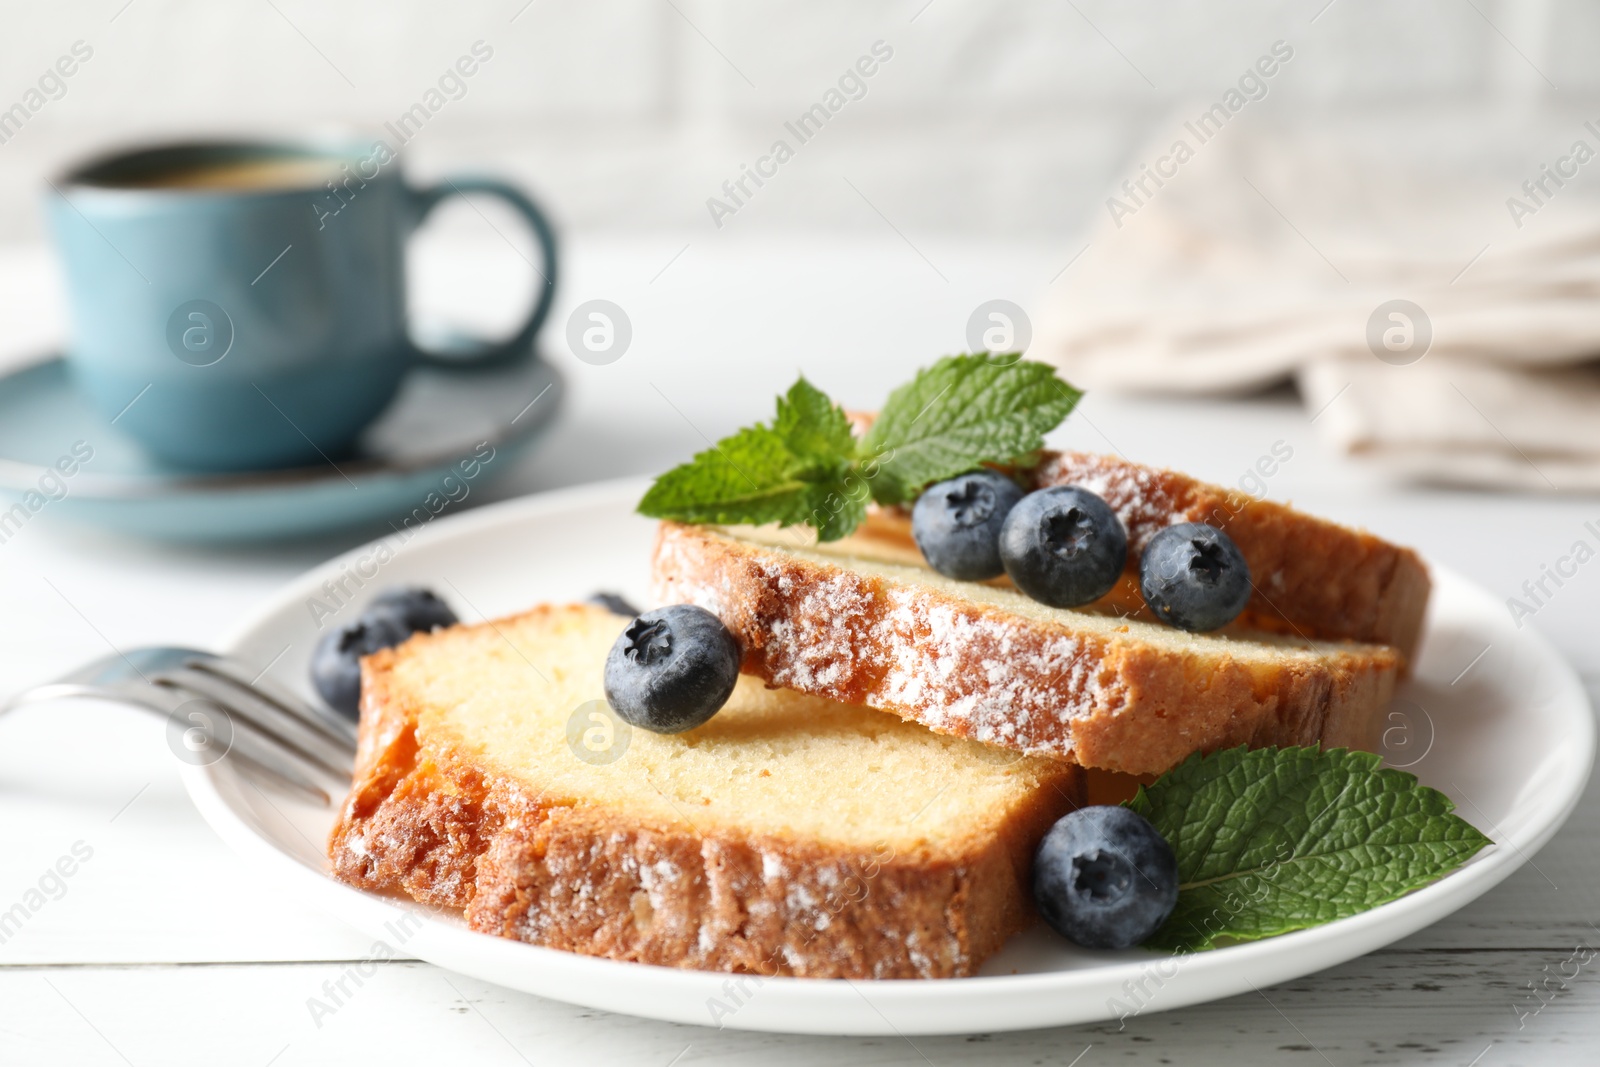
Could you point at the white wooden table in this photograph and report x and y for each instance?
(159, 948)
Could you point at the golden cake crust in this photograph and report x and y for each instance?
(430, 820)
(1312, 577)
(1101, 698)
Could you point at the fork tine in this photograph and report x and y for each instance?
(331, 724)
(244, 743)
(277, 735)
(266, 717)
(283, 773)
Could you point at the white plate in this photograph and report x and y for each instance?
(1493, 717)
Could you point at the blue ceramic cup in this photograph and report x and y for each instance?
(241, 305)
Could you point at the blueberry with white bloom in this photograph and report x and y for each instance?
(393, 616)
(418, 608)
(336, 661)
(1103, 877)
(957, 524)
(671, 669)
(1063, 546)
(1194, 577)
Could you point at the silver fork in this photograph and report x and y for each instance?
(218, 708)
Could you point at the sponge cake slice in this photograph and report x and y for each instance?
(789, 835)
(1105, 690)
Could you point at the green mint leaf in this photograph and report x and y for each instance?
(841, 507)
(812, 426)
(750, 476)
(798, 470)
(963, 411)
(807, 467)
(1274, 840)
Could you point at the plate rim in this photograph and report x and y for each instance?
(1220, 973)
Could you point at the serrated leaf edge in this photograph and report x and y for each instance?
(1372, 763)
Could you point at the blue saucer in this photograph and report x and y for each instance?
(447, 431)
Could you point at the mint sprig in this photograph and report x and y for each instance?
(1273, 840)
(962, 411)
(806, 466)
(793, 471)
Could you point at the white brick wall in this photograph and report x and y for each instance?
(1006, 117)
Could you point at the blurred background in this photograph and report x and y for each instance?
(1011, 118)
(1359, 153)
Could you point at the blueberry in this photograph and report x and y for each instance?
(957, 524)
(1194, 577)
(614, 603)
(417, 608)
(393, 616)
(1063, 546)
(672, 669)
(1104, 878)
(336, 661)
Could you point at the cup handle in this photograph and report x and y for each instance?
(475, 350)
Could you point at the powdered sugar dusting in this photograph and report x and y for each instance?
(955, 666)
(816, 646)
(771, 866)
(1139, 495)
(983, 675)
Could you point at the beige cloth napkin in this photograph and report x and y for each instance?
(1267, 253)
